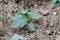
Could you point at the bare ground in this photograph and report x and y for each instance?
(47, 28)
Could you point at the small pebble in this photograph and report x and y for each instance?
(48, 31)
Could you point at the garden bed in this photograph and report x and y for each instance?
(47, 28)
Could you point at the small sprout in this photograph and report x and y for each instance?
(23, 18)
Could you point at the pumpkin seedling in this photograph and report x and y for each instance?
(24, 19)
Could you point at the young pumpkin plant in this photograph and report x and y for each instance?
(24, 19)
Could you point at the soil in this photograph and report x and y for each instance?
(47, 28)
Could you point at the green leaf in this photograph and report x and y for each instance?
(17, 37)
(19, 23)
(17, 17)
(15, 23)
(31, 26)
(53, 1)
(34, 15)
(23, 22)
(59, 0)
